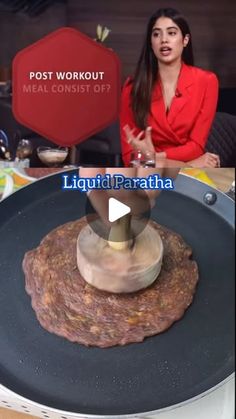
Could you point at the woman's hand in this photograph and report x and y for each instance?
(145, 144)
(206, 160)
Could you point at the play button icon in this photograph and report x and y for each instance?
(107, 208)
(116, 210)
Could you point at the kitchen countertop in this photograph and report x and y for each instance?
(222, 178)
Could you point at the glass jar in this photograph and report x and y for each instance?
(139, 159)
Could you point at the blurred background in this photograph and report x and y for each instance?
(212, 23)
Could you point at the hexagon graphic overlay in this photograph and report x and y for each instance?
(66, 86)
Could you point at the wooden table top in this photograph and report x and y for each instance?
(223, 179)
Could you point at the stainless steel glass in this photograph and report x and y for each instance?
(24, 149)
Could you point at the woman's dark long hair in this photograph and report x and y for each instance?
(147, 67)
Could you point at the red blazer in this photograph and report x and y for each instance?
(183, 132)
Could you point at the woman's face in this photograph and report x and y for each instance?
(167, 40)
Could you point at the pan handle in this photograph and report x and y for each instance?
(231, 191)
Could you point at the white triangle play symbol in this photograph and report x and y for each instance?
(116, 210)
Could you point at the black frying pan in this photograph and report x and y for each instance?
(193, 356)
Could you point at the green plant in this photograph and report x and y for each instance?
(102, 33)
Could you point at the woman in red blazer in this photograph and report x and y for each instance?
(169, 105)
